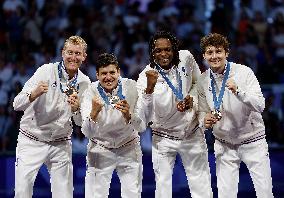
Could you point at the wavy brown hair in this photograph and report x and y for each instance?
(216, 40)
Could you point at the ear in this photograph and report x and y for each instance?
(84, 56)
(97, 74)
(227, 54)
(118, 71)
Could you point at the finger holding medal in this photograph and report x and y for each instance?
(97, 106)
(209, 120)
(152, 77)
(41, 88)
(74, 102)
(185, 104)
(123, 107)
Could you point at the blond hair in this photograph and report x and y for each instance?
(76, 40)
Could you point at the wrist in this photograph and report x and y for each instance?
(31, 96)
(94, 115)
(149, 90)
(128, 118)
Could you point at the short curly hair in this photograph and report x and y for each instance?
(174, 41)
(216, 40)
(76, 40)
(105, 60)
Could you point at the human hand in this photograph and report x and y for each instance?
(152, 77)
(231, 85)
(123, 107)
(41, 88)
(74, 102)
(209, 120)
(97, 106)
(185, 104)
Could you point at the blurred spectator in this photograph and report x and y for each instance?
(271, 117)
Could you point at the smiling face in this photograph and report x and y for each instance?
(216, 57)
(108, 77)
(163, 53)
(73, 57)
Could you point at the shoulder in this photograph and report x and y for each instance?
(83, 77)
(203, 77)
(142, 73)
(128, 82)
(49, 66)
(241, 69)
(185, 54)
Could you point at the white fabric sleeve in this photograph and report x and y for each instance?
(251, 94)
(21, 101)
(203, 107)
(145, 101)
(89, 127)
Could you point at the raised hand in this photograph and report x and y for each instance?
(231, 85)
(123, 107)
(209, 120)
(152, 77)
(74, 102)
(97, 106)
(41, 88)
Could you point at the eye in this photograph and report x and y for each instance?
(69, 52)
(157, 50)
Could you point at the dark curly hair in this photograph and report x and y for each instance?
(216, 40)
(105, 60)
(175, 45)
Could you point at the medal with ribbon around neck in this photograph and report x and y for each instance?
(113, 99)
(71, 85)
(218, 101)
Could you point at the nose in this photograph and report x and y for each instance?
(108, 76)
(214, 55)
(73, 56)
(163, 52)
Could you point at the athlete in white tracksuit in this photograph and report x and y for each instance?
(240, 133)
(113, 133)
(174, 131)
(46, 127)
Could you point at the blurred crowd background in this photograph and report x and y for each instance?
(32, 32)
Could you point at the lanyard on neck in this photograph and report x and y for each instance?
(70, 84)
(218, 101)
(177, 91)
(104, 95)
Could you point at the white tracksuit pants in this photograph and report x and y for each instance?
(127, 161)
(31, 155)
(255, 156)
(194, 155)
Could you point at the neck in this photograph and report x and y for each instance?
(219, 70)
(71, 74)
(167, 67)
(109, 90)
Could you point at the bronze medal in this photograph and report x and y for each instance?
(70, 90)
(217, 114)
(113, 100)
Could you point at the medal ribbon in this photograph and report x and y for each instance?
(71, 83)
(104, 95)
(217, 102)
(177, 91)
